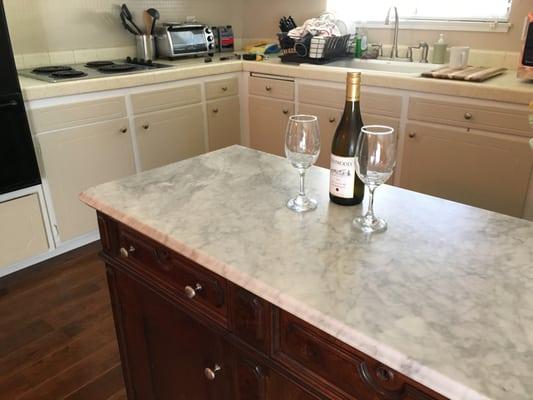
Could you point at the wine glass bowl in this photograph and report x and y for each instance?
(302, 148)
(375, 159)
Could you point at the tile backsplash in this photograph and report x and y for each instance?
(55, 26)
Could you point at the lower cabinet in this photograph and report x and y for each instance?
(22, 229)
(168, 136)
(172, 356)
(223, 122)
(479, 168)
(75, 159)
(268, 123)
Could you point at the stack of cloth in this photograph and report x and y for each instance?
(323, 26)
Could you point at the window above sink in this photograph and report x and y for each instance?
(458, 15)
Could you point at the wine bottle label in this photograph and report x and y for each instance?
(342, 176)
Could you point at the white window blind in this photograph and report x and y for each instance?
(437, 10)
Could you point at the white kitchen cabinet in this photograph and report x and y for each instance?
(22, 230)
(479, 168)
(268, 123)
(76, 158)
(164, 137)
(223, 121)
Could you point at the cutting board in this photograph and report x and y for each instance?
(469, 73)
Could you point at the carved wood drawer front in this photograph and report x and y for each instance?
(192, 284)
(300, 346)
(250, 318)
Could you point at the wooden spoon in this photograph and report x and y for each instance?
(148, 21)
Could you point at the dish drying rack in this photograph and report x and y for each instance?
(313, 49)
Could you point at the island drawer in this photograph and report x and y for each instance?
(326, 361)
(274, 88)
(222, 88)
(251, 318)
(191, 284)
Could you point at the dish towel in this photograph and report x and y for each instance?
(323, 26)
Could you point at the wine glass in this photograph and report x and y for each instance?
(302, 147)
(375, 158)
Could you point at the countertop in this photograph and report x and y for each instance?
(505, 88)
(445, 296)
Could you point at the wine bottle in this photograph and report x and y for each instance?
(345, 186)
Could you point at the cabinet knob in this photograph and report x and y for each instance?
(332, 119)
(268, 88)
(191, 292)
(224, 88)
(285, 111)
(468, 116)
(127, 252)
(215, 110)
(146, 126)
(211, 374)
(124, 130)
(412, 134)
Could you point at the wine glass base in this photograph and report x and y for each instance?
(302, 204)
(370, 224)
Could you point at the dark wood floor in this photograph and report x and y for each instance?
(57, 339)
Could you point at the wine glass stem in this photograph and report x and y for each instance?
(301, 172)
(370, 211)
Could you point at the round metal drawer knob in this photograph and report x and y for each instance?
(332, 119)
(211, 374)
(191, 292)
(225, 89)
(468, 116)
(215, 110)
(412, 135)
(268, 88)
(285, 111)
(124, 130)
(127, 252)
(146, 126)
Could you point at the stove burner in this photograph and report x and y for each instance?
(115, 68)
(51, 69)
(98, 64)
(72, 73)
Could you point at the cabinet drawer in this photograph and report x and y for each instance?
(498, 119)
(222, 88)
(275, 88)
(166, 98)
(76, 114)
(192, 284)
(301, 346)
(371, 102)
(250, 318)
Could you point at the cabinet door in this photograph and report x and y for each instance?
(253, 381)
(268, 122)
(482, 169)
(165, 137)
(166, 351)
(223, 121)
(75, 159)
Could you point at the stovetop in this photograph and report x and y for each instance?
(91, 70)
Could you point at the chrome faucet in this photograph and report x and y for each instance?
(424, 52)
(394, 50)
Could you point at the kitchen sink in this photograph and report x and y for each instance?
(403, 67)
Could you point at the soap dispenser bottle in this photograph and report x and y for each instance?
(439, 50)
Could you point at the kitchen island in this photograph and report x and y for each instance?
(219, 291)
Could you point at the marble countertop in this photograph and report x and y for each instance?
(445, 296)
(503, 88)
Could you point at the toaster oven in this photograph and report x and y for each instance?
(525, 69)
(180, 40)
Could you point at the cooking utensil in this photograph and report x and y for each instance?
(148, 22)
(155, 17)
(129, 18)
(126, 25)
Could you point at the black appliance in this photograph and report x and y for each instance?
(18, 164)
